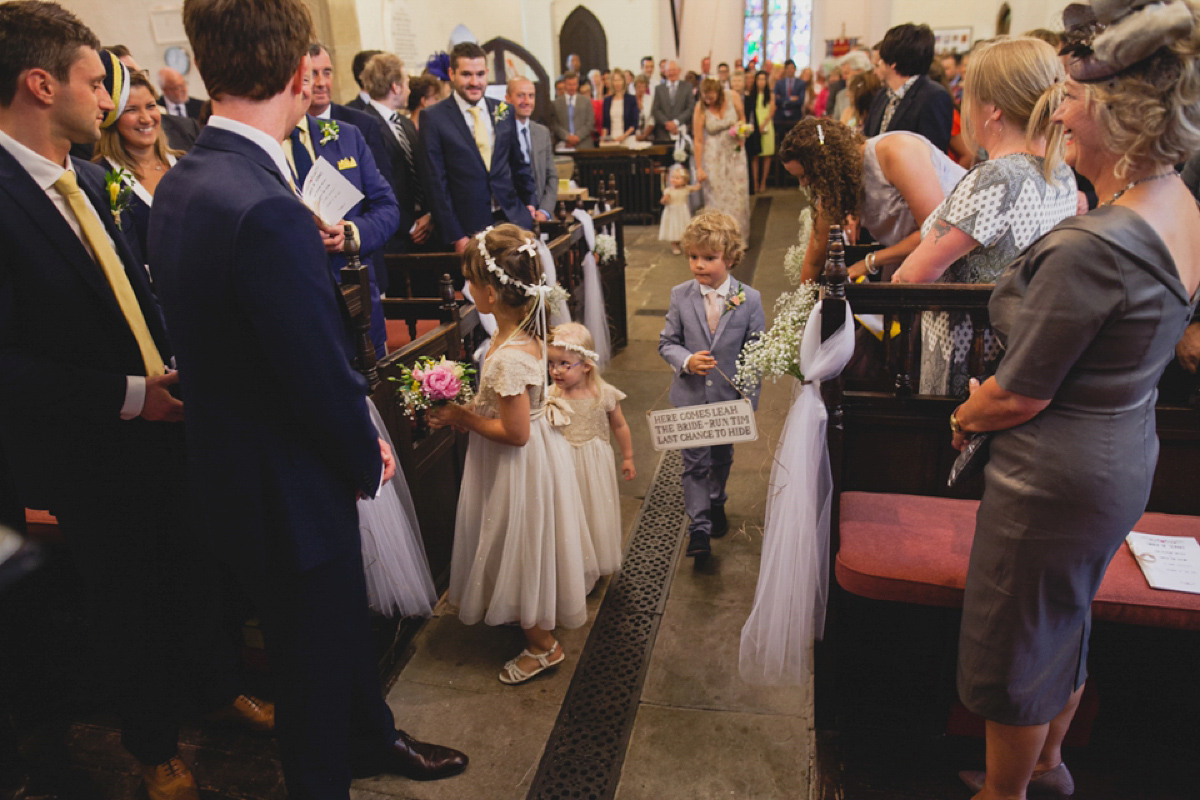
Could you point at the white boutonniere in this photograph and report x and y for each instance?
(329, 131)
(501, 112)
(735, 300)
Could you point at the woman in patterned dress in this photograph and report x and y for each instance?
(1002, 205)
(721, 162)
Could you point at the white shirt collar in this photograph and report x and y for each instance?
(722, 290)
(465, 107)
(521, 125)
(383, 110)
(366, 98)
(43, 171)
(326, 114)
(270, 145)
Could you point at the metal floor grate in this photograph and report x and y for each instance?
(586, 749)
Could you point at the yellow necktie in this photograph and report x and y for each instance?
(114, 270)
(481, 138)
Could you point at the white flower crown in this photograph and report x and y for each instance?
(530, 247)
(575, 348)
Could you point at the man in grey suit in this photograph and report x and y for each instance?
(536, 146)
(673, 105)
(574, 117)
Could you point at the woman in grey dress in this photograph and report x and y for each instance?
(1090, 315)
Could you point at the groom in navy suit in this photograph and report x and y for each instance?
(280, 441)
(477, 173)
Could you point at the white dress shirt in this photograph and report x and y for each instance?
(175, 109)
(722, 291)
(386, 113)
(526, 140)
(44, 173)
(485, 116)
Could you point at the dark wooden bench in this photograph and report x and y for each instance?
(901, 539)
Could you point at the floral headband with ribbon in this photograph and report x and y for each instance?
(529, 248)
(576, 348)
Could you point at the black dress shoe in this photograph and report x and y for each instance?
(698, 546)
(720, 525)
(418, 761)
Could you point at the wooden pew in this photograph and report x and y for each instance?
(900, 538)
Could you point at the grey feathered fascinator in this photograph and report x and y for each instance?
(1106, 37)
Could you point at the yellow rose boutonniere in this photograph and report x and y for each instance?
(117, 184)
(501, 112)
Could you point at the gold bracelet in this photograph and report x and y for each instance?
(954, 426)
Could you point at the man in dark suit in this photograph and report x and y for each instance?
(672, 106)
(175, 95)
(363, 99)
(789, 100)
(387, 86)
(477, 174)
(88, 424)
(574, 119)
(373, 219)
(910, 101)
(537, 148)
(280, 440)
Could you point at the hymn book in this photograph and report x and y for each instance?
(1168, 562)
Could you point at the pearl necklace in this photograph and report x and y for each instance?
(1131, 184)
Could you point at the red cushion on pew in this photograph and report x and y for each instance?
(397, 331)
(41, 525)
(913, 549)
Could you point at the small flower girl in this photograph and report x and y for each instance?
(676, 215)
(595, 408)
(522, 552)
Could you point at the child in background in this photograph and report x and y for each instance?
(522, 552)
(595, 408)
(675, 214)
(710, 320)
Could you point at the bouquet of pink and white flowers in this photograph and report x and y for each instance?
(739, 132)
(432, 383)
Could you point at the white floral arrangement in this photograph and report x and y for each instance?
(557, 296)
(776, 352)
(606, 248)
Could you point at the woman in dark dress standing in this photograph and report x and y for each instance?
(1090, 316)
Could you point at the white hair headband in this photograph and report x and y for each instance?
(529, 247)
(575, 348)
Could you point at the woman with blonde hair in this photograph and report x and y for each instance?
(1002, 205)
(620, 116)
(1089, 316)
(132, 139)
(720, 159)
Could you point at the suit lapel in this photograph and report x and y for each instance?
(459, 122)
(46, 216)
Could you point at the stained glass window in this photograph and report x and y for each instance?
(776, 30)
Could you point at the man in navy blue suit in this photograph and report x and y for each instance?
(477, 174)
(88, 423)
(374, 218)
(280, 441)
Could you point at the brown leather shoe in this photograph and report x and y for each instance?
(248, 712)
(171, 780)
(418, 761)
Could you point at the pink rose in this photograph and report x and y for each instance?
(441, 384)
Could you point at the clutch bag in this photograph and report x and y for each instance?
(971, 460)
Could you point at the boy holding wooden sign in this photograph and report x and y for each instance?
(710, 320)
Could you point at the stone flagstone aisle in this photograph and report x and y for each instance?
(699, 731)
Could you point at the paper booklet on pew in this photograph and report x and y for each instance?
(1168, 562)
(327, 193)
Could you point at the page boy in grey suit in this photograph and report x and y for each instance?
(710, 320)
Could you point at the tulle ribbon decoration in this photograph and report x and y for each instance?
(594, 317)
(789, 602)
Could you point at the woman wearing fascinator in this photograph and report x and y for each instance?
(1089, 315)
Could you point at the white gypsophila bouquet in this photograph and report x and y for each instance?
(606, 247)
(793, 260)
(776, 351)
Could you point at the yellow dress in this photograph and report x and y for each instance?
(766, 136)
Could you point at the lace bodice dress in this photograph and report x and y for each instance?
(595, 467)
(522, 551)
(728, 186)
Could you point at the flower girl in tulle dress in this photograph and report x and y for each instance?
(522, 552)
(676, 214)
(595, 409)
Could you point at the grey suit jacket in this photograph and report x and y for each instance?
(545, 176)
(585, 120)
(686, 332)
(664, 108)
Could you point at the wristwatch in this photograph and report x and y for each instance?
(954, 426)
(871, 268)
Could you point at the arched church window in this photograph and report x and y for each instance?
(776, 30)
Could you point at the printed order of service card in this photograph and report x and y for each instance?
(1168, 562)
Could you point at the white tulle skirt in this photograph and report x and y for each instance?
(594, 466)
(398, 578)
(522, 551)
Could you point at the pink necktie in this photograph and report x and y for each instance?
(712, 302)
